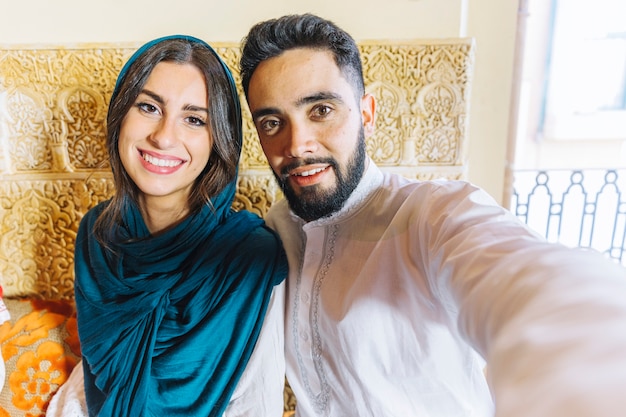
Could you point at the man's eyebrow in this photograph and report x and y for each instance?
(313, 98)
(264, 112)
(320, 96)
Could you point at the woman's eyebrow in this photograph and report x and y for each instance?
(192, 107)
(187, 107)
(152, 95)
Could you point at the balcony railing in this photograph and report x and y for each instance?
(584, 208)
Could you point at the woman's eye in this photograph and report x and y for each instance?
(196, 121)
(147, 107)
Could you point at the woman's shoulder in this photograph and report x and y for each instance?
(263, 237)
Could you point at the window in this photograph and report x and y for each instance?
(585, 92)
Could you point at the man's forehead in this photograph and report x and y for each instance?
(300, 61)
(305, 55)
(297, 76)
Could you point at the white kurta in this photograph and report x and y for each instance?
(393, 303)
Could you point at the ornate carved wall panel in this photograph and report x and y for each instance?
(53, 161)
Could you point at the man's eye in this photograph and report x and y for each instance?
(322, 111)
(269, 126)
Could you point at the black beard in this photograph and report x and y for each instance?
(314, 203)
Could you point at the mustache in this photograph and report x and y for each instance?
(284, 172)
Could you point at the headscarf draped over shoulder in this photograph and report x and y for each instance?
(167, 323)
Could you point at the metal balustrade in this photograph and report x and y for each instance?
(584, 208)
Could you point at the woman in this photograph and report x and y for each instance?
(172, 286)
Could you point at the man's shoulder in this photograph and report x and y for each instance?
(402, 184)
(278, 212)
(278, 207)
(288, 227)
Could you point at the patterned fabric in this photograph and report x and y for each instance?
(40, 347)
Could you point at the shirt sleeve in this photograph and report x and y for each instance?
(69, 400)
(549, 320)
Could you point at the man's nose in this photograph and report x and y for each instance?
(302, 141)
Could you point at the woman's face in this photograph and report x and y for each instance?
(164, 140)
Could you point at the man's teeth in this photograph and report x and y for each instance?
(310, 172)
(161, 162)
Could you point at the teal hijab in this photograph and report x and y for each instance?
(167, 323)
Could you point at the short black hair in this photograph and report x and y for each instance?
(271, 38)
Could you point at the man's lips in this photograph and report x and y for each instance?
(307, 172)
(307, 175)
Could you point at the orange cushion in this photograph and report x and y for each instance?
(40, 348)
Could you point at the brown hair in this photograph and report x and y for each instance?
(224, 123)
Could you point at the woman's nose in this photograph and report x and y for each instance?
(164, 134)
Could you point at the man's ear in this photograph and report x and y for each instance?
(368, 113)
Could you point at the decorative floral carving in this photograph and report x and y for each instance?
(39, 223)
(28, 122)
(256, 193)
(54, 163)
(83, 116)
(422, 93)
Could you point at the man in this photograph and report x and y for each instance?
(400, 290)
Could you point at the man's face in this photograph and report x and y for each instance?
(312, 129)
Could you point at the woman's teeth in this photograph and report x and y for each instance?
(161, 162)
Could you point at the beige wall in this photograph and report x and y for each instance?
(490, 22)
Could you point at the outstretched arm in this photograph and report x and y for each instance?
(549, 320)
